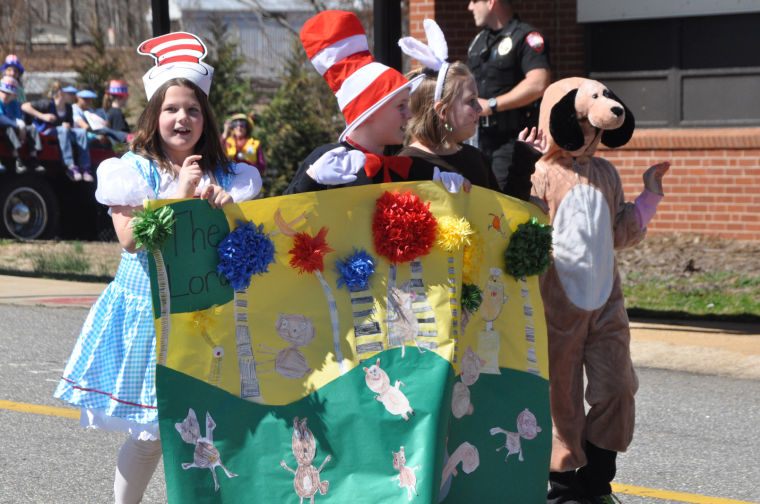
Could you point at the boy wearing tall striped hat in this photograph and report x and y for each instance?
(374, 100)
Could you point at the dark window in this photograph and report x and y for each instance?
(692, 71)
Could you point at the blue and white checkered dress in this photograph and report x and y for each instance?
(111, 370)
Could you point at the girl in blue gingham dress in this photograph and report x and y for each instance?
(111, 371)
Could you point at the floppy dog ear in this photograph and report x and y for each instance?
(621, 136)
(563, 123)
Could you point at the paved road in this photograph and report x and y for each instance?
(696, 434)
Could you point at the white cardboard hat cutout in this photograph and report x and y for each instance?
(177, 55)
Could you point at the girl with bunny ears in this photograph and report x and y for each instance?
(445, 111)
(175, 154)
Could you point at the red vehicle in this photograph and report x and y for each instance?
(49, 205)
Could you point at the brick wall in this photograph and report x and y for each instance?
(713, 186)
(555, 18)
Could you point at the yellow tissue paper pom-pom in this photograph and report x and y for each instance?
(472, 258)
(453, 233)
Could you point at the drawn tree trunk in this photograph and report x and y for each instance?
(165, 300)
(245, 252)
(530, 329)
(342, 365)
(307, 256)
(249, 380)
(404, 229)
(355, 271)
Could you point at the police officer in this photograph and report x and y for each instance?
(510, 62)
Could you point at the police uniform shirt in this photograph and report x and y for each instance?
(500, 59)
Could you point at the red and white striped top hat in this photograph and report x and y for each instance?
(336, 44)
(177, 55)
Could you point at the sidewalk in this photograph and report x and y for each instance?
(724, 349)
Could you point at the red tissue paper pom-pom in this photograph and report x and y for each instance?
(308, 251)
(403, 227)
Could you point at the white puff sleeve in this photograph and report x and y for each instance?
(246, 183)
(120, 184)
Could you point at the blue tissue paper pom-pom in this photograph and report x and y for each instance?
(354, 271)
(245, 252)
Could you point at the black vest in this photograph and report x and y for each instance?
(493, 58)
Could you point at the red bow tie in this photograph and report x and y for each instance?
(397, 164)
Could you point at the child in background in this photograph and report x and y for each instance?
(86, 118)
(175, 154)
(54, 115)
(374, 99)
(114, 102)
(16, 131)
(12, 68)
(445, 112)
(238, 142)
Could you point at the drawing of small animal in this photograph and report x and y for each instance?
(395, 402)
(306, 481)
(460, 397)
(406, 477)
(298, 330)
(527, 428)
(205, 455)
(468, 455)
(402, 316)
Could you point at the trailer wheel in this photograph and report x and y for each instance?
(29, 207)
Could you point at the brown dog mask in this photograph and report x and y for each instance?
(575, 111)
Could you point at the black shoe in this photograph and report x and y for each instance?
(20, 167)
(564, 489)
(2, 167)
(38, 168)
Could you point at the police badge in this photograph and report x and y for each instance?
(504, 46)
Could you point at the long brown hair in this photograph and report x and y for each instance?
(147, 141)
(425, 125)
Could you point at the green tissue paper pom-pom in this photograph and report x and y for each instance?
(530, 249)
(153, 228)
(472, 296)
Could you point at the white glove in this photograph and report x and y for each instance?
(20, 123)
(337, 166)
(452, 182)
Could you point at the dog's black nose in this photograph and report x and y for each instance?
(618, 111)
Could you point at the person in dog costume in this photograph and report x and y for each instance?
(585, 312)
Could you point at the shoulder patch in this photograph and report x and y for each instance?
(535, 40)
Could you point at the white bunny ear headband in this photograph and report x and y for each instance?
(433, 55)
